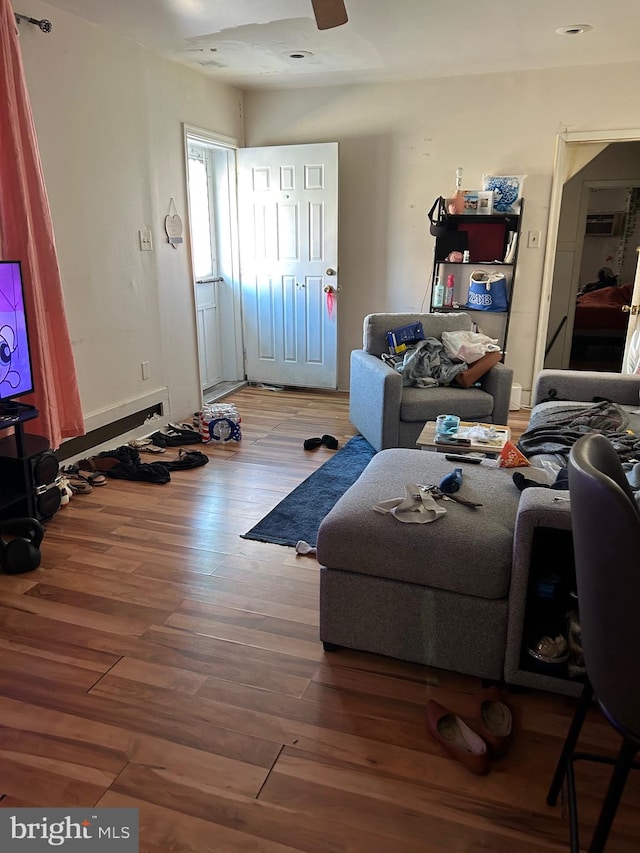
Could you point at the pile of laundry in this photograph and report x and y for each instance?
(425, 364)
(124, 463)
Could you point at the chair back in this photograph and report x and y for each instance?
(606, 538)
(376, 326)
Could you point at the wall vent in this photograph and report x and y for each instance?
(102, 434)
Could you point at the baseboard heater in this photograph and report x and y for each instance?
(102, 434)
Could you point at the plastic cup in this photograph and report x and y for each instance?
(447, 425)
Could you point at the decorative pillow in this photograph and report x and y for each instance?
(507, 191)
(478, 369)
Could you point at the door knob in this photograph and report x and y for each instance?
(626, 309)
(330, 271)
(328, 288)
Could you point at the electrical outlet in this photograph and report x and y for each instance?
(534, 239)
(145, 369)
(146, 244)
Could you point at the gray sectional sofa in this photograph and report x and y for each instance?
(451, 594)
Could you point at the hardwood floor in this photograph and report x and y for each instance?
(158, 660)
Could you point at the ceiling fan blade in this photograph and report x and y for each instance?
(329, 13)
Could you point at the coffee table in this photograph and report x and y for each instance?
(492, 447)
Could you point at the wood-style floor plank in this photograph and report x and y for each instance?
(157, 660)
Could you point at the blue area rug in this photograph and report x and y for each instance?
(298, 516)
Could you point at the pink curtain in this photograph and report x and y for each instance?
(26, 234)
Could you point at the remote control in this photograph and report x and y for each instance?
(462, 457)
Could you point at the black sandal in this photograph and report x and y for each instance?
(312, 443)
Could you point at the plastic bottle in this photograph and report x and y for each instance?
(448, 296)
(438, 294)
(455, 205)
(451, 482)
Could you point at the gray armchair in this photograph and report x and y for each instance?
(390, 415)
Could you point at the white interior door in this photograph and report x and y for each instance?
(631, 359)
(288, 214)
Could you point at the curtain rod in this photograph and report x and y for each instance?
(45, 26)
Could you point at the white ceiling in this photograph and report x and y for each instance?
(248, 42)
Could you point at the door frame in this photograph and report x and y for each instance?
(230, 312)
(583, 210)
(561, 162)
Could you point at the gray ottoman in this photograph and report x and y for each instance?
(437, 593)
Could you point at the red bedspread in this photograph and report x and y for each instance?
(602, 309)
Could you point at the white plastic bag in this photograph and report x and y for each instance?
(468, 346)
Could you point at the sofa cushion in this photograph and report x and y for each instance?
(425, 404)
(467, 551)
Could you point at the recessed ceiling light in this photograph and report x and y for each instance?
(299, 54)
(574, 30)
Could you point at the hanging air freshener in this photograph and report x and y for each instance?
(173, 225)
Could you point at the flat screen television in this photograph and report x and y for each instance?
(15, 356)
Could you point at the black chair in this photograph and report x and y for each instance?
(606, 539)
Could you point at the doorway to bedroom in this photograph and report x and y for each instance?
(595, 258)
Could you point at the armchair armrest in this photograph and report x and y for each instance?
(375, 391)
(497, 382)
(584, 385)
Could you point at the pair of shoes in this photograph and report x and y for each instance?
(79, 485)
(184, 427)
(328, 440)
(145, 445)
(473, 748)
(94, 478)
(187, 459)
(174, 437)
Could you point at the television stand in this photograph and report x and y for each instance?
(28, 467)
(14, 415)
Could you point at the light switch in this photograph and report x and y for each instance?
(146, 244)
(534, 239)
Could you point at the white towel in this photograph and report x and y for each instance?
(417, 507)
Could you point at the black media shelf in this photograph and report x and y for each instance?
(28, 469)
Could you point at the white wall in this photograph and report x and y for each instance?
(400, 145)
(109, 120)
